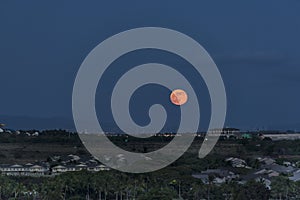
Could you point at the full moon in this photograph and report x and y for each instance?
(178, 97)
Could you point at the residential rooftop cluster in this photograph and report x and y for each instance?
(54, 166)
(268, 169)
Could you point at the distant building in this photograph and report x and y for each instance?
(24, 170)
(277, 135)
(72, 168)
(225, 132)
(97, 168)
(60, 164)
(59, 169)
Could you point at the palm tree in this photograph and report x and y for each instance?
(280, 185)
(210, 182)
(19, 187)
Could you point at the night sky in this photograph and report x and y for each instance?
(255, 45)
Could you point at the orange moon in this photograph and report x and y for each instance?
(178, 97)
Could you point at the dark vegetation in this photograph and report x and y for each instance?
(165, 184)
(172, 182)
(22, 148)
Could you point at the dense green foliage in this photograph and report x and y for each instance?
(165, 184)
(162, 185)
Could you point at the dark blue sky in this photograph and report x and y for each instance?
(255, 44)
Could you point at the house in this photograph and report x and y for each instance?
(286, 163)
(24, 170)
(296, 176)
(97, 168)
(15, 170)
(281, 169)
(81, 167)
(71, 168)
(269, 173)
(266, 161)
(219, 176)
(37, 169)
(237, 163)
(59, 169)
(60, 164)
